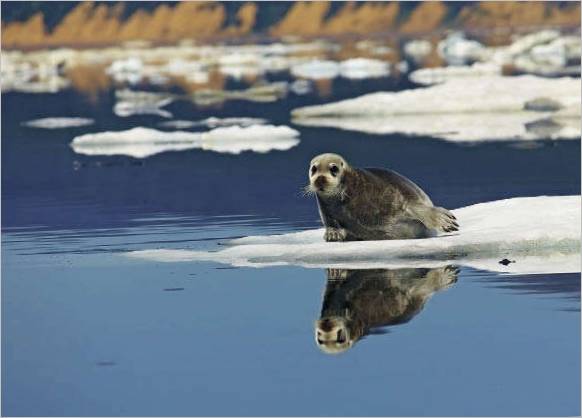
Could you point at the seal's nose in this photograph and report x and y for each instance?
(320, 182)
(326, 325)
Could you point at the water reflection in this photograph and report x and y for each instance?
(358, 302)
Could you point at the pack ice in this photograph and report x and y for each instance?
(485, 108)
(143, 142)
(536, 234)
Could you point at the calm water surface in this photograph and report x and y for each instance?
(87, 331)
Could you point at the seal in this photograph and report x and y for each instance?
(357, 303)
(372, 204)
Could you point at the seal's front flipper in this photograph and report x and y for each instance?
(335, 234)
(435, 217)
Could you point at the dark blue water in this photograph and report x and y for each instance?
(87, 331)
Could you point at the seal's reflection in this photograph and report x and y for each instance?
(357, 301)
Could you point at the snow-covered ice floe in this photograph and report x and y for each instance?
(354, 68)
(540, 234)
(427, 76)
(488, 108)
(58, 123)
(143, 142)
(213, 122)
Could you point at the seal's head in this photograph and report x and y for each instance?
(333, 335)
(326, 172)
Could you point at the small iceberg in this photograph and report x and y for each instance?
(316, 69)
(456, 49)
(144, 142)
(542, 235)
(428, 76)
(488, 108)
(361, 68)
(212, 122)
(58, 123)
(132, 102)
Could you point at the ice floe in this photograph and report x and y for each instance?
(143, 142)
(437, 75)
(463, 109)
(58, 123)
(417, 49)
(541, 234)
(132, 102)
(212, 122)
(360, 68)
(456, 49)
(316, 69)
(354, 68)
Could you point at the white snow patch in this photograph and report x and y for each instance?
(459, 127)
(143, 142)
(360, 68)
(437, 75)
(213, 122)
(461, 109)
(59, 123)
(542, 235)
(316, 69)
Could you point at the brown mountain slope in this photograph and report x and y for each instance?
(90, 24)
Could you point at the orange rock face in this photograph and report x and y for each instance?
(90, 24)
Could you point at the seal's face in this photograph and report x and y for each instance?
(325, 174)
(332, 335)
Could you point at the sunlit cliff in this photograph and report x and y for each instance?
(96, 24)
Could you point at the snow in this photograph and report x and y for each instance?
(58, 123)
(354, 68)
(143, 142)
(456, 49)
(213, 122)
(417, 49)
(460, 127)
(437, 75)
(542, 235)
(460, 109)
(360, 68)
(316, 69)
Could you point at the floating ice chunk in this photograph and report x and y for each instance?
(301, 87)
(542, 234)
(128, 70)
(192, 71)
(213, 122)
(58, 123)
(456, 49)
(126, 109)
(437, 75)
(465, 109)
(179, 124)
(527, 42)
(143, 142)
(316, 69)
(485, 94)
(131, 102)
(417, 49)
(459, 127)
(360, 68)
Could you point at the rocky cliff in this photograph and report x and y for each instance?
(29, 25)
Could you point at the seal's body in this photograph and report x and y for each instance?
(358, 302)
(372, 204)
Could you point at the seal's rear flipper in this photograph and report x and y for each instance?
(435, 217)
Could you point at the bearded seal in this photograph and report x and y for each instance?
(372, 204)
(357, 303)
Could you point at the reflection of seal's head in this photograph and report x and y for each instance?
(325, 174)
(332, 335)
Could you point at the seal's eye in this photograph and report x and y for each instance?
(333, 169)
(313, 170)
